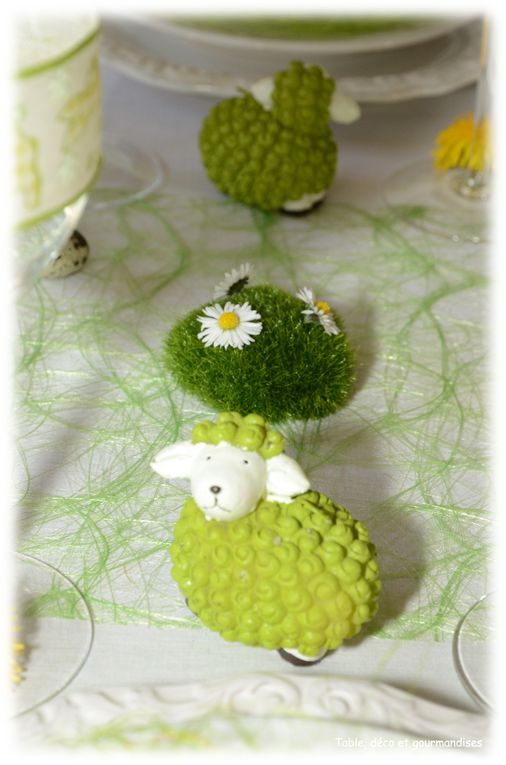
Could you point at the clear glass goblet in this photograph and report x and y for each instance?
(57, 134)
(472, 643)
(453, 204)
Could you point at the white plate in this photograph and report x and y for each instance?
(377, 41)
(298, 697)
(165, 60)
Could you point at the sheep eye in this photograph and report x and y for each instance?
(208, 458)
(246, 462)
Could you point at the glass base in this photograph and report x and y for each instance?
(128, 173)
(441, 203)
(37, 245)
(55, 647)
(472, 642)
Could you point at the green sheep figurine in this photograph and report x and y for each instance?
(261, 558)
(273, 147)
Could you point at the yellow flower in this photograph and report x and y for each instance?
(229, 326)
(17, 649)
(318, 311)
(456, 146)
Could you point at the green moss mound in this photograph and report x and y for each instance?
(292, 370)
(302, 575)
(267, 158)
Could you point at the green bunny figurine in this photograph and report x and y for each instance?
(273, 147)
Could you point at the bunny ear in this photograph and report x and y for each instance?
(262, 91)
(343, 108)
(175, 461)
(285, 478)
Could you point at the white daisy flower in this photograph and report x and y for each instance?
(229, 326)
(318, 310)
(234, 282)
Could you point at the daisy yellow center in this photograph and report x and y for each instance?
(228, 320)
(323, 306)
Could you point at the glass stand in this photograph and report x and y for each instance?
(128, 173)
(452, 205)
(55, 647)
(472, 644)
(37, 245)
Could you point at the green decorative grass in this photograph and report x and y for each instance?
(92, 379)
(292, 370)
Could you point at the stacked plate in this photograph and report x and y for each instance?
(423, 58)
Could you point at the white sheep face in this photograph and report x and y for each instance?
(227, 482)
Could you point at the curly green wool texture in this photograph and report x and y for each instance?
(301, 99)
(268, 158)
(250, 432)
(301, 575)
(292, 370)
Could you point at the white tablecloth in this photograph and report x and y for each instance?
(144, 648)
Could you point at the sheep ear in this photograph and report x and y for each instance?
(285, 477)
(343, 108)
(175, 461)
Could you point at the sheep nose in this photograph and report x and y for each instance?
(215, 489)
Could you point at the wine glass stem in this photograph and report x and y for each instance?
(475, 183)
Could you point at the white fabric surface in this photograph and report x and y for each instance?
(386, 138)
